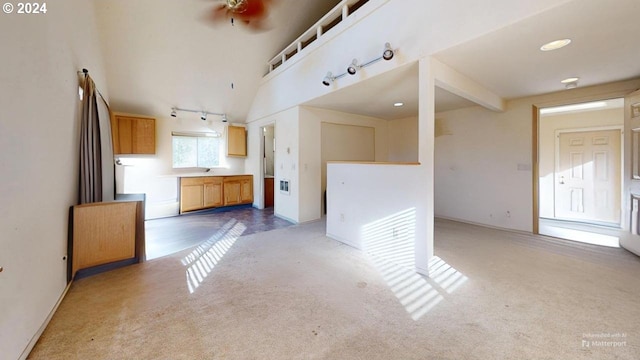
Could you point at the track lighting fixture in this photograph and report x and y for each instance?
(387, 54)
(203, 113)
(570, 83)
(328, 79)
(353, 68)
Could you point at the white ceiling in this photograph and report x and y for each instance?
(171, 57)
(605, 47)
(375, 96)
(164, 53)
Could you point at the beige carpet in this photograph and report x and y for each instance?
(295, 294)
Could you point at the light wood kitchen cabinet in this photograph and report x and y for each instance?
(202, 192)
(238, 190)
(232, 192)
(133, 134)
(246, 189)
(191, 194)
(213, 193)
(236, 141)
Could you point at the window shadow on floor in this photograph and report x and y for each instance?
(169, 235)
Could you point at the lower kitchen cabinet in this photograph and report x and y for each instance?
(238, 190)
(203, 192)
(213, 192)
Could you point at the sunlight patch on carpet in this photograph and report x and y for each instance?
(203, 259)
(390, 242)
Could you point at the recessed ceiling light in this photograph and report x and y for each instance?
(570, 80)
(555, 45)
(398, 104)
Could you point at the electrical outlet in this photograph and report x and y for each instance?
(341, 217)
(508, 214)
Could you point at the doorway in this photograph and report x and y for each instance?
(268, 164)
(580, 171)
(587, 176)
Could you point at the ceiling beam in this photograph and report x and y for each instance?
(456, 83)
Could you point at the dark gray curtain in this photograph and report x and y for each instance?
(90, 146)
(108, 164)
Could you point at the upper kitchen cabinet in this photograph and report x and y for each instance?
(133, 134)
(236, 141)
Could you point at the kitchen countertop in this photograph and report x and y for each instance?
(202, 174)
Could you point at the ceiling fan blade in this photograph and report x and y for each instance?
(252, 14)
(219, 15)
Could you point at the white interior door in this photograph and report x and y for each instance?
(588, 176)
(632, 122)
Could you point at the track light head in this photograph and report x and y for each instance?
(388, 52)
(353, 68)
(327, 79)
(203, 117)
(173, 112)
(224, 118)
(571, 85)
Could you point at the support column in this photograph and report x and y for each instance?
(426, 143)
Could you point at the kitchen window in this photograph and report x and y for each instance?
(196, 150)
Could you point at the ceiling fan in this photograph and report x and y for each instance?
(251, 13)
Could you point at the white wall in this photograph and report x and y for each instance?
(305, 167)
(39, 142)
(347, 142)
(312, 118)
(299, 129)
(385, 197)
(403, 140)
(286, 161)
(309, 113)
(310, 203)
(548, 126)
(154, 175)
(477, 162)
(476, 167)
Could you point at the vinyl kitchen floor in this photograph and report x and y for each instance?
(170, 235)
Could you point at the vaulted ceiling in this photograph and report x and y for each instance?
(162, 53)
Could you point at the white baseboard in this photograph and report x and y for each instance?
(286, 218)
(44, 325)
(343, 240)
(161, 210)
(483, 225)
(422, 271)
